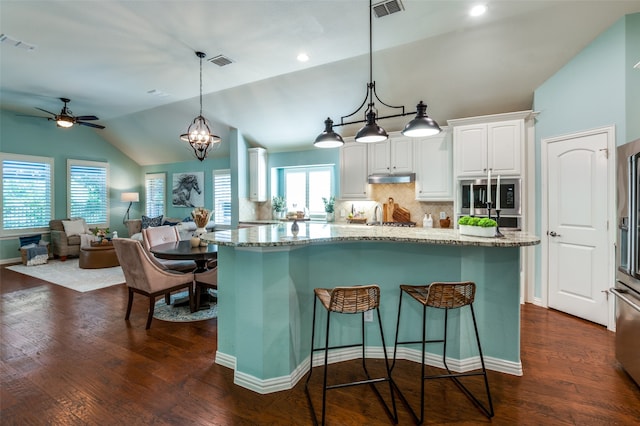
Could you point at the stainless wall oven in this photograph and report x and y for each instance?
(627, 287)
(510, 211)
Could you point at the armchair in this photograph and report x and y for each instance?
(67, 242)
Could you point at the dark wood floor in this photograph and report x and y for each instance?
(69, 358)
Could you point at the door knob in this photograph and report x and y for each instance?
(553, 234)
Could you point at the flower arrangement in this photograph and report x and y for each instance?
(329, 204)
(101, 232)
(483, 222)
(476, 226)
(278, 204)
(201, 216)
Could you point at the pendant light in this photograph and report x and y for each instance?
(422, 125)
(199, 134)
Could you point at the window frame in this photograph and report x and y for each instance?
(317, 215)
(226, 220)
(35, 160)
(155, 176)
(90, 164)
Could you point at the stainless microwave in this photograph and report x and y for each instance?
(509, 197)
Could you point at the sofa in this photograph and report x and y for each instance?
(63, 243)
(185, 228)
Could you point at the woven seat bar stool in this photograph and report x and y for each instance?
(348, 300)
(442, 295)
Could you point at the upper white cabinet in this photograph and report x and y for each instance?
(353, 171)
(257, 174)
(434, 167)
(495, 145)
(395, 155)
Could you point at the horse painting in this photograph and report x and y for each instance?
(182, 189)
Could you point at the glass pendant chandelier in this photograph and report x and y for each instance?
(422, 125)
(199, 135)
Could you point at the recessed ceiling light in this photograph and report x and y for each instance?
(478, 10)
(303, 57)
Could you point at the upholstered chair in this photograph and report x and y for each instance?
(144, 277)
(160, 235)
(205, 280)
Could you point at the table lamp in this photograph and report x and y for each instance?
(131, 197)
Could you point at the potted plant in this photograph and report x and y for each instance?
(477, 227)
(329, 205)
(278, 205)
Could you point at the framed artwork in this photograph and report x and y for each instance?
(188, 189)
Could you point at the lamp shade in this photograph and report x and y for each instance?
(132, 197)
(371, 132)
(64, 121)
(328, 138)
(422, 125)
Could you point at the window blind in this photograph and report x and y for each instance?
(155, 188)
(27, 192)
(222, 196)
(88, 191)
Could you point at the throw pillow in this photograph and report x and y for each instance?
(168, 222)
(151, 221)
(73, 227)
(87, 230)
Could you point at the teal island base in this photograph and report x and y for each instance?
(266, 304)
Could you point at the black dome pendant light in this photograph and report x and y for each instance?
(422, 125)
(199, 134)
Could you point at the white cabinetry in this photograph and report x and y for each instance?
(434, 167)
(483, 146)
(257, 174)
(395, 155)
(353, 171)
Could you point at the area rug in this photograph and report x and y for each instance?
(166, 312)
(68, 274)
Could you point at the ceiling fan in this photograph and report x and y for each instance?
(66, 118)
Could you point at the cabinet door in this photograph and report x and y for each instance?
(434, 168)
(470, 144)
(379, 157)
(504, 140)
(257, 174)
(353, 171)
(401, 149)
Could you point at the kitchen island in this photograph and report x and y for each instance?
(267, 275)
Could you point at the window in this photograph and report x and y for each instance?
(27, 193)
(88, 191)
(155, 189)
(304, 187)
(222, 196)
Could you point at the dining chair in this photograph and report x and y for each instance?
(161, 235)
(144, 277)
(205, 280)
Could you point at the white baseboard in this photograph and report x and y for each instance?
(12, 260)
(289, 381)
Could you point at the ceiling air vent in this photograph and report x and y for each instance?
(220, 60)
(387, 8)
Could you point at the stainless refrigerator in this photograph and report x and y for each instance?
(627, 286)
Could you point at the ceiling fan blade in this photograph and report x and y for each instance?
(97, 126)
(87, 117)
(48, 112)
(32, 116)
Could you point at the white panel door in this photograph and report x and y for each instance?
(578, 248)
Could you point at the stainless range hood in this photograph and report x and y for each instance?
(392, 178)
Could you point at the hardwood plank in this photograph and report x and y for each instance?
(70, 358)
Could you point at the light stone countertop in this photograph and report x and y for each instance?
(274, 235)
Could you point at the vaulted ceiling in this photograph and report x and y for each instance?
(132, 63)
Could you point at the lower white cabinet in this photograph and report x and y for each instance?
(433, 165)
(258, 174)
(353, 171)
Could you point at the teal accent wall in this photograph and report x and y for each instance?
(597, 88)
(29, 136)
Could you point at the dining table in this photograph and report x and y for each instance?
(201, 255)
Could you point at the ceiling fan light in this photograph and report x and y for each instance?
(64, 121)
(422, 125)
(328, 138)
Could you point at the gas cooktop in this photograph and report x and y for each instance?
(400, 224)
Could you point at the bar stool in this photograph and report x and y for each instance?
(348, 300)
(445, 296)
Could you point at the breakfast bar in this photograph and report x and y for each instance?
(267, 275)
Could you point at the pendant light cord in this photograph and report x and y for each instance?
(370, 54)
